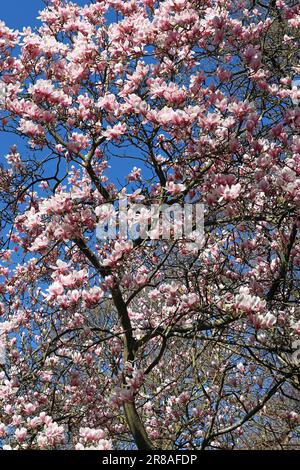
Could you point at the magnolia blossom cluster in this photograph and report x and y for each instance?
(92, 439)
(125, 340)
(69, 287)
(248, 303)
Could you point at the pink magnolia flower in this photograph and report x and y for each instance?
(269, 320)
(91, 435)
(14, 159)
(115, 132)
(42, 90)
(55, 290)
(33, 219)
(61, 267)
(78, 142)
(253, 57)
(108, 103)
(40, 243)
(51, 435)
(248, 303)
(296, 327)
(104, 212)
(102, 444)
(230, 193)
(167, 116)
(75, 295)
(20, 434)
(30, 128)
(120, 248)
(93, 295)
(135, 174)
(29, 408)
(263, 321)
(2, 430)
(241, 368)
(175, 188)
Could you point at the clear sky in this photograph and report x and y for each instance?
(19, 13)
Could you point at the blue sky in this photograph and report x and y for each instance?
(19, 13)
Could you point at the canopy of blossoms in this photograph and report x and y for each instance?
(151, 344)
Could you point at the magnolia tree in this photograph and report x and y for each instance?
(151, 342)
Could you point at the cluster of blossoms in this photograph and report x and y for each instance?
(248, 303)
(92, 439)
(163, 102)
(120, 248)
(127, 392)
